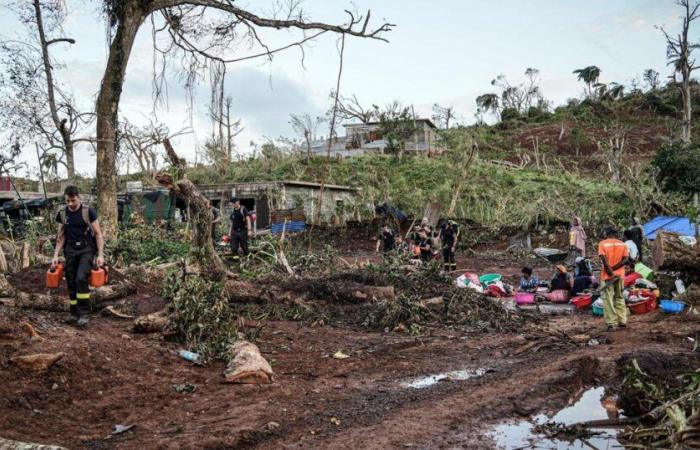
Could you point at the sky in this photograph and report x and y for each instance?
(445, 52)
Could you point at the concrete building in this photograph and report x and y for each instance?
(277, 201)
(363, 138)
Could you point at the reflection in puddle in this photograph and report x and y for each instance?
(455, 375)
(520, 435)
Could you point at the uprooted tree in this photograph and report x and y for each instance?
(203, 252)
(203, 34)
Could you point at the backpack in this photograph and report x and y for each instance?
(85, 211)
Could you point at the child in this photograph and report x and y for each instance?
(528, 282)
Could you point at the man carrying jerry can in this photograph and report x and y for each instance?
(80, 238)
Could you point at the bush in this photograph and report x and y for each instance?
(509, 114)
(679, 167)
(200, 314)
(144, 243)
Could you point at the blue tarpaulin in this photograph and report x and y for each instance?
(295, 226)
(676, 224)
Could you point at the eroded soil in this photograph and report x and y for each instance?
(111, 376)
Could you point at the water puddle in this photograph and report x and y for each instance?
(455, 375)
(520, 435)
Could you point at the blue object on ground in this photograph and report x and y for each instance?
(676, 224)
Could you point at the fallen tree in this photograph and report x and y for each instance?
(669, 252)
(203, 251)
(52, 302)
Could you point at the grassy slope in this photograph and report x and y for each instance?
(491, 195)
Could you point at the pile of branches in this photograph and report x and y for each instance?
(418, 297)
(664, 399)
(199, 314)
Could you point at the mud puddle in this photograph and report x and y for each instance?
(454, 375)
(521, 435)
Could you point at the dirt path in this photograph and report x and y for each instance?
(110, 376)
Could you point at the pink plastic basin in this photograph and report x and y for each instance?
(524, 298)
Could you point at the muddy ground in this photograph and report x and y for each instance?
(111, 376)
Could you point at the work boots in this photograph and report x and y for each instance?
(73, 318)
(83, 321)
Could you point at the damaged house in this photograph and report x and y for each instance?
(293, 202)
(362, 138)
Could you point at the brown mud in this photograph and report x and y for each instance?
(110, 376)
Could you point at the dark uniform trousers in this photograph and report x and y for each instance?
(448, 257)
(239, 238)
(79, 260)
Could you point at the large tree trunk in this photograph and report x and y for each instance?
(687, 107)
(203, 251)
(670, 253)
(70, 160)
(107, 110)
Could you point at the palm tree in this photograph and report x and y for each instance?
(488, 102)
(588, 75)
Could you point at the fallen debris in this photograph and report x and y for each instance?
(247, 365)
(151, 323)
(7, 444)
(31, 331)
(40, 362)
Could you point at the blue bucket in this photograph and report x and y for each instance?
(671, 306)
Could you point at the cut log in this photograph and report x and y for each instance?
(25, 255)
(3, 261)
(247, 365)
(151, 323)
(53, 302)
(7, 444)
(40, 362)
(364, 292)
(669, 252)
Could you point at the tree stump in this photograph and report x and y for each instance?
(669, 252)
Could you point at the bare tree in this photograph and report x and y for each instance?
(349, 108)
(443, 115)
(143, 144)
(220, 148)
(36, 106)
(201, 34)
(679, 52)
(518, 97)
(651, 79)
(306, 126)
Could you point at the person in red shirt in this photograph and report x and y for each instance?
(613, 254)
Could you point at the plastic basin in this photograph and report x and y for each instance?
(597, 310)
(524, 298)
(671, 306)
(489, 278)
(582, 301)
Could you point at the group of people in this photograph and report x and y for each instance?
(421, 242)
(633, 236)
(617, 257)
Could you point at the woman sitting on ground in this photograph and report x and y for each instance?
(560, 288)
(528, 282)
(583, 267)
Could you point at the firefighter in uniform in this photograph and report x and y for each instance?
(80, 237)
(449, 232)
(241, 228)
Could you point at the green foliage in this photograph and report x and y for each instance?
(679, 167)
(200, 314)
(397, 126)
(150, 243)
(510, 114)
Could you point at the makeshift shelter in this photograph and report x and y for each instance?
(676, 224)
